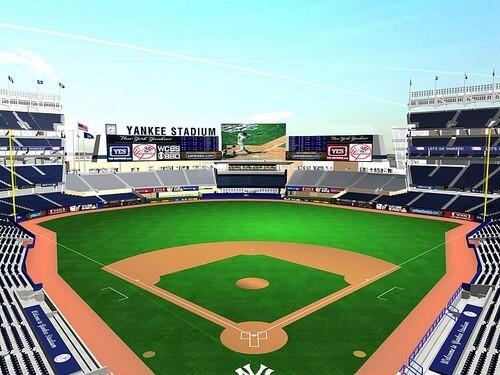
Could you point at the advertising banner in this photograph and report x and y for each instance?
(448, 356)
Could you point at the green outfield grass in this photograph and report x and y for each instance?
(263, 134)
(213, 286)
(321, 343)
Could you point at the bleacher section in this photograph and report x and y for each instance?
(29, 120)
(348, 180)
(133, 180)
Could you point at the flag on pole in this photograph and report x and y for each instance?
(466, 76)
(11, 79)
(493, 72)
(87, 135)
(436, 78)
(39, 81)
(82, 127)
(61, 85)
(410, 81)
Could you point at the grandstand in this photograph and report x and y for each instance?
(25, 308)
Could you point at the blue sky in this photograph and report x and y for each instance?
(371, 48)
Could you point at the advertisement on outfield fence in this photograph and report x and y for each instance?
(426, 211)
(459, 215)
(390, 207)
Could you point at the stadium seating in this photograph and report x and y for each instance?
(41, 174)
(66, 200)
(139, 179)
(465, 118)
(99, 182)
(472, 176)
(29, 120)
(433, 176)
(399, 199)
(344, 180)
(305, 178)
(432, 201)
(475, 118)
(21, 351)
(380, 182)
(34, 142)
(431, 120)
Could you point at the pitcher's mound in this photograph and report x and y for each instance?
(252, 283)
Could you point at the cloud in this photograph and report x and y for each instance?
(270, 116)
(30, 59)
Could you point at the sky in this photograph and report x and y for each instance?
(323, 67)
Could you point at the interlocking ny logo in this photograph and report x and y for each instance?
(247, 370)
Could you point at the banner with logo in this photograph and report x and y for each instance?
(448, 356)
(161, 148)
(53, 345)
(331, 147)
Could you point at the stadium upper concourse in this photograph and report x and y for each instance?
(450, 170)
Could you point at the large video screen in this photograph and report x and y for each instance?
(161, 148)
(330, 147)
(253, 141)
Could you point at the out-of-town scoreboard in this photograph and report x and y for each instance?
(330, 147)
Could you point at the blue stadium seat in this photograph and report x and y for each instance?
(431, 200)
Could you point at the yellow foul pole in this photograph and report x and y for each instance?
(12, 177)
(487, 175)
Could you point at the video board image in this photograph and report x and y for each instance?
(253, 141)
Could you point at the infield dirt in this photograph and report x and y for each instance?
(145, 271)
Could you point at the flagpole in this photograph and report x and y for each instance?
(435, 91)
(465, 78)
(493, 94)
(409, 94)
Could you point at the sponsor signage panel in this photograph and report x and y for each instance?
(32, 148)
(167, 189)
(454, 149)
(53, 345)
(161, 148)
(426, 211)
(448, 356)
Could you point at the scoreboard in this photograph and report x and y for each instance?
(161, 148)
(330, 147)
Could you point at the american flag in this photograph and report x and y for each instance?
(82, 127)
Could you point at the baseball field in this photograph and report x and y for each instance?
(209, 287)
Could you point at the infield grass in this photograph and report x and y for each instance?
(321, 343)
(213, 286)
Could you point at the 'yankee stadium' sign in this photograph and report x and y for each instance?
(170, 131)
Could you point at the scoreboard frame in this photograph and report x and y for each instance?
(132, 148)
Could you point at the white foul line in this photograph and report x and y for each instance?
(387, 291)
(114, 290)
